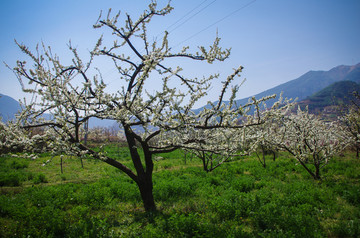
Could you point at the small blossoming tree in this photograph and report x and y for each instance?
(311, 141)
(350, 120)
(220, 132)
(153, 122)
(261, 137)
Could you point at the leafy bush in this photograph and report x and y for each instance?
(347, 228)
(15, 164)
(123, 189)
(349, 192)
(171, 189)
(12, 179)
(39, 178)
(90, 227)
(12, 171)
(182, 225)
(244, 184)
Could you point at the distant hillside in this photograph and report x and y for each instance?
(339, 93)
(8, 107)
(301, 88)
(354, 74)
(309, 83)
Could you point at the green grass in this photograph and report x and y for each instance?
(239, 199)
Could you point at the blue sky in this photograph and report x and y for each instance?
(275, 40)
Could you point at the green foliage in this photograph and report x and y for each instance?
(10, 179)
(18, 164)
(171, 187)
(239, 199)
(40, 178)
(12, 171)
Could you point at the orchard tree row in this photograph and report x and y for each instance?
(163, 120)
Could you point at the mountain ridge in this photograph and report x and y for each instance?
(301, 88)
(8, 107)
(338, 93)
(305, 85)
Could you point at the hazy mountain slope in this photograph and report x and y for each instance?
(309, 83)
(353, 75)
(336, 94)
(301, 88)
(8, 107)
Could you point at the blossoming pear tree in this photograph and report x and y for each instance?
(310, 140)
(219, 147)
(261, 137)
(153, 122)
(12, 140)
(217, 138)
(350, 120)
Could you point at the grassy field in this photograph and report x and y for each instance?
(239, 199)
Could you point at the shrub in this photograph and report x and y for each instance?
(244, 184)
(349, 192)
(189, 225)
(11, 179)
(348, 228)
(39, 178)
(19, 164)
(173, 188)
(89, 227)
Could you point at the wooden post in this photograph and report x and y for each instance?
(61, 163)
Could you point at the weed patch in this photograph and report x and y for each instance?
(239, 199)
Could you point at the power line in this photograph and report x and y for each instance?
(186, 14)
(202, 9)
(213, 24)
(180, 19)
(206, 28)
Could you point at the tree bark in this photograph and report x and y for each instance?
(144, 175)
(146, 190)
(274, 154)
(61, 164)
(263, 156)
(317, 172)
(316, 176)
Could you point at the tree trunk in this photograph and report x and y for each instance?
(263, 156)
(82, 163)
(61, 164)
(185, 153)
(274, 154)
(317, 172)
(144, 174)
(316, 176)
(146, 190)
(145, 181)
